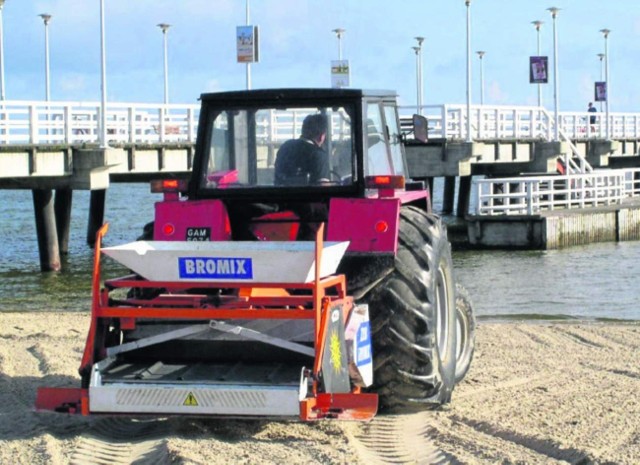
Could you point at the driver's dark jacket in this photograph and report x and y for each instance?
(301, 162)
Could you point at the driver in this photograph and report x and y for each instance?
(303, 161)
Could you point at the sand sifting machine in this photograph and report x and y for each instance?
(299, 273)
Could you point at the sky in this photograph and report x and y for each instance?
(297, 45)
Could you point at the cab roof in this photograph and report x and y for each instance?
(296, 94)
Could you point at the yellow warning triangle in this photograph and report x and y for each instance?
(191, 400)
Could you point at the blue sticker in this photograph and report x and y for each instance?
(215, 268)
(363, 344)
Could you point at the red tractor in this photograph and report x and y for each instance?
(270, 285)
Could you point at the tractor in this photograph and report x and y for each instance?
(255, 293)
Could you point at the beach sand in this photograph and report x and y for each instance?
(535, 394)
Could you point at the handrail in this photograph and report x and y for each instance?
(534, 194)
(448, 121)
(69, 122)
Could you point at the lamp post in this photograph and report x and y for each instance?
(416, 49)
(46, 18)
(339, 32)
(481, 54)
(1, 53)
(164, 28)
(556, 97)
(103, 80)
(537, 25)
(605, 33)
(419, 83)
(468, 4)
(601, 56)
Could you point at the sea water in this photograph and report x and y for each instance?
(597, 281)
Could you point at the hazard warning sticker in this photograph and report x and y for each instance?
(191, 400)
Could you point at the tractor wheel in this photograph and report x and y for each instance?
(466, 329)
(413, 318)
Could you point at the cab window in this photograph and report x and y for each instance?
(244, 145)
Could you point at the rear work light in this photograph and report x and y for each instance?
(171, 188)
(384, 182)
(168, 185)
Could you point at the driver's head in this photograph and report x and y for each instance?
(314, 127)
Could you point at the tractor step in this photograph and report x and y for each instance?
(201, 389)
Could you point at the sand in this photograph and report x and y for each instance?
(535, 394)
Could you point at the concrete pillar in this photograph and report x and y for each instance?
(448, 194)
(62, 208)
(96, 214)
(46, 230)
(464, 196)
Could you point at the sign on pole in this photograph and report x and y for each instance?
(247, 44)
(339, 73)
(538, 70)
(600, 91)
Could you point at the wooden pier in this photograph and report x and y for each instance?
(52, 173)
(51, 149)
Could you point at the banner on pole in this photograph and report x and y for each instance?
(538, 70)
(247, 44)
(600, 91)
(339, 73)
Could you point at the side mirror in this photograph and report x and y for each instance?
(420, 128)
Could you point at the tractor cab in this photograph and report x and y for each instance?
(245, 140)
(240, 140)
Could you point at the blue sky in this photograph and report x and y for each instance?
(297, 46)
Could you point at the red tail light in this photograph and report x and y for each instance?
(384, 182)
(168, 185)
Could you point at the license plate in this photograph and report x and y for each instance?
(198, 234)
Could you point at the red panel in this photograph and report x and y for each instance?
(60, 399)
(355, 220)
(208, 216)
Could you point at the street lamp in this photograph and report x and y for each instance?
(537, 25)
(103, 81)
(556, 98)
(1, 53)
(481, 54)
(46, 18)
(418, 102)
(339, 32)
(165, 27)
(468, 4)
(420, 88)
(605, 33)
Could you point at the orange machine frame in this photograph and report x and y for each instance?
(253, 300)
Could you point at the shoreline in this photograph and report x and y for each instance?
(548, 392)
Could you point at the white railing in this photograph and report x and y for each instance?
(23, 122)
(522, 122)
(36, 122)
(532, 195)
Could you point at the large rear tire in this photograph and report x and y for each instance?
(413, 318)
(466, 332)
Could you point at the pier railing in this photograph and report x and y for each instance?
(449, 121)
(25, 122)
(38, 122)
(533, 195)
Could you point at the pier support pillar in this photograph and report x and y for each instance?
(448, 194)
(464, 196)
(46, 230)
(96, 214)
(429, 182)
(62, 208)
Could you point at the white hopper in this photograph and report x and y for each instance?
(268, 262)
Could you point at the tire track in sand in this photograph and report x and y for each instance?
(123, 441)
(397, 439)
